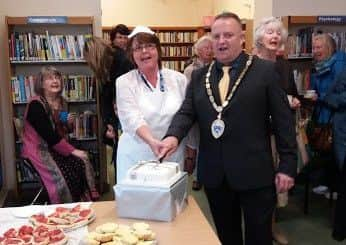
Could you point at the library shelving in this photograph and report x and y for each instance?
(299, 44)
(37, 41)
(177, 41)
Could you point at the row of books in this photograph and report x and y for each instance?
(177, 51)
(177, 37)
(177, 65)
(84, 126)
(302, 79)
(340, 39)
(24, 174)
(79, 88)
(76, 88)
(40, 47)
(300, 44)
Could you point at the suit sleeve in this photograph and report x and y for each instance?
(283, 125)
(185, 117)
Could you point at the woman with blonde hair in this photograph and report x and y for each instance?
(108, 64)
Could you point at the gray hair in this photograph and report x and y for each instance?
(45, 73)
(261, 28)
(200, 42)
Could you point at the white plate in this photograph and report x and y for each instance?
(26, 211)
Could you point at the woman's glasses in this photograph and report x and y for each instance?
(144, 46)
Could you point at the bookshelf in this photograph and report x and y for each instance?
(177, 41)
(37, 41)
(299, 44)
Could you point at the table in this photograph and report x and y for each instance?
(189, 227)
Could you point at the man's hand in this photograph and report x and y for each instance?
(295, 103)
(169, 146)
(283, 182)
(156, 146)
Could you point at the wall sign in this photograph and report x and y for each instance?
(47, 20)
(332, 19)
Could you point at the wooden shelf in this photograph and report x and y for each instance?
(75, 67)
(41, 62)
(80, 20)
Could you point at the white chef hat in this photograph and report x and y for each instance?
(141, 29)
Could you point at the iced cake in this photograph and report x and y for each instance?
(153, 172)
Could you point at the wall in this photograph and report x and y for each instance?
(263, 8)
(25, 8)
(244, 8)
(309, 7)
(156, 12)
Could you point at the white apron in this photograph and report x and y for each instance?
(158, 109)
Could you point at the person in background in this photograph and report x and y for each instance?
(328, 64)
(119, 36)
(204, 55)
(335, 99)
(147, 99)
(107, 64)
(65, 171)
(232, 100)
(270, 36)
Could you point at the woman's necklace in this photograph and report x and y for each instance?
(218, 125)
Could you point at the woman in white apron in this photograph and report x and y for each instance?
(147, 99)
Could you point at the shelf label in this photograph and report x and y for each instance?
(47, 20)
(331, 19)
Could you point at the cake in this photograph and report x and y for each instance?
(153, 172)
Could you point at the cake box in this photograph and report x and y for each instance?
(152, 191)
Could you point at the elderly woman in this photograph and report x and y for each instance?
(65, 171)
(204, 55)
(147, 99)
(270, 36)
(328, 65)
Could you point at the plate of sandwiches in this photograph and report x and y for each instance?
(39, 235)
(64, 218)
(117, 234)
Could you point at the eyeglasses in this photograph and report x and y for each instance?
(146, 46)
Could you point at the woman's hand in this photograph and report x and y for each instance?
(81, 154)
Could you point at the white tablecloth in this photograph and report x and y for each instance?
(18, 216)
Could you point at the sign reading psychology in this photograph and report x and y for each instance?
(47, 20)
(332, 19)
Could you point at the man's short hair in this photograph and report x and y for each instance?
(227, 15)
(121, 28)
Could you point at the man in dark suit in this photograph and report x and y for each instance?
(236, 165)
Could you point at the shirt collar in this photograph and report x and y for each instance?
(234, 63)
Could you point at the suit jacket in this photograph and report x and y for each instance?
(243, 152)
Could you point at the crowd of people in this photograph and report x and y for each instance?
(229, 121)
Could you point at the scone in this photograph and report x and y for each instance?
(107, 228)
(129, 239)
(140, 226)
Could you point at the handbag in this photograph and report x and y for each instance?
(320, 135)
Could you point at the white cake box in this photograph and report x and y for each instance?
(153, 191)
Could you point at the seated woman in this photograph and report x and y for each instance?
(65, 171)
